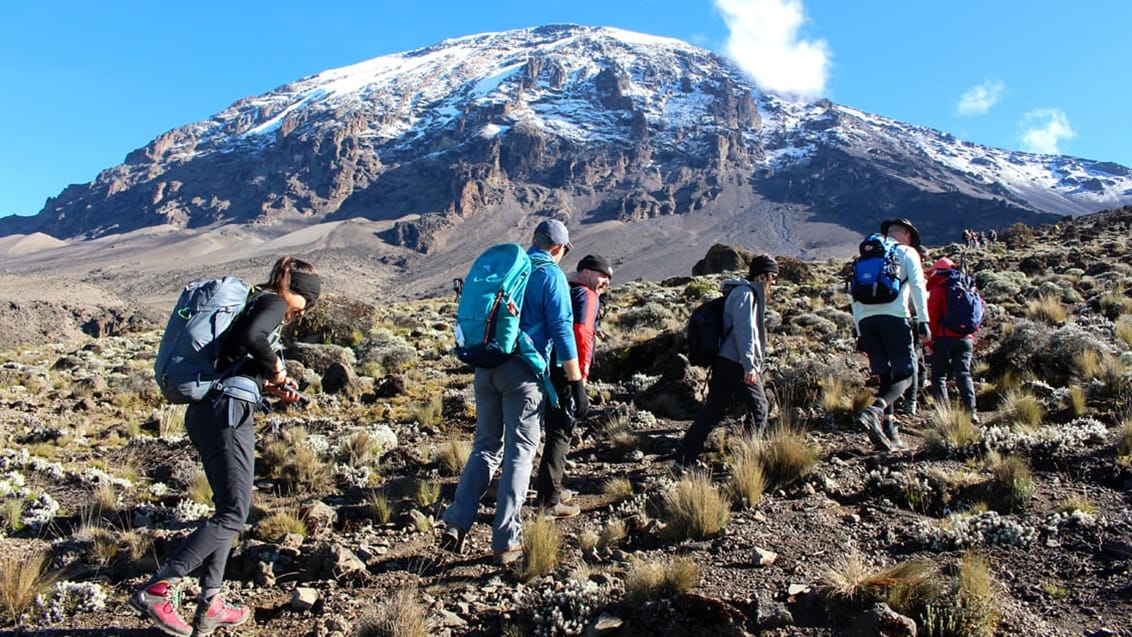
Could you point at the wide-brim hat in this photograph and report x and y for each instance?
(887, 223)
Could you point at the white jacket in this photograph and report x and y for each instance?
(913, 286)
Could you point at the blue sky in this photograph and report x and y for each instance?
(86, 82)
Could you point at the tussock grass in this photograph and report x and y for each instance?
(834, 397)
(1122, 330)
(291, 461)
(11, 513)
(278, 524)
(1047, 309)
(428, 413)
(862, 398)
(612, 534)
(1124, 438)
(170, 420)
(453, 455)
(950, 429)
(1011, 485)
(1105, 368)
(1078, 401)
(360, 449)
(542, 545)
(1076, 503)
(1021, 409)
(199, 490)
(905, 586)
(649, 580)
(104, 542)
(21, 580)
(747, 480)
(396, 615)
(381, 506)
(617, 489)
(695, 508)
(620, 432)
(972, 610)
(786, 456)
(425, 492)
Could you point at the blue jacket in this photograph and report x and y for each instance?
(547, 315)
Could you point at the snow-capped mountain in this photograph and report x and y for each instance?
(590, 124)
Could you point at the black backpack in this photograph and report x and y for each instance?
(705, 332)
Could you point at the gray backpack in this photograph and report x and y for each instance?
(185, 368)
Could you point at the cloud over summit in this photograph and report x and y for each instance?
(764, 41)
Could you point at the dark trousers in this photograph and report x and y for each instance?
(950, 354)
(558, 429)
(726, 382)
(888, 343)
(222, 431)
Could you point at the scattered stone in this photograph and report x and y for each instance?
(797, 589)
(319, 518)
(304, 599)
(880, 620)
(604, 623)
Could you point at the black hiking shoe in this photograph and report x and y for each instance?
(891, 432)
(870, 419)
(452, 538)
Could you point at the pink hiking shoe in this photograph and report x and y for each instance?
(160, 602)
(218, 613)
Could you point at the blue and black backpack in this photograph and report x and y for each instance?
(876, 272)
(964, 307)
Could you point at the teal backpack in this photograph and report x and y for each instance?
(487, 315)
(185, 368)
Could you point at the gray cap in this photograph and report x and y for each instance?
(555, 231)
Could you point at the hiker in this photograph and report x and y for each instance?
(592, 278)
(740, 365)
(884, 336)
(909, 404)
(510, 400)
(220, 426)
(458, 287)
(950, 350)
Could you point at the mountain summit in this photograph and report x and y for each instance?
(589, 124)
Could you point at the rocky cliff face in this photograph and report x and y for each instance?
(588, 124)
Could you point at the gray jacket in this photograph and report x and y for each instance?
(744, 322)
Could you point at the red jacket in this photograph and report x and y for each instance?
(937, 305)
(586, 305)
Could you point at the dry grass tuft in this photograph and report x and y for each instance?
(453, 455)
(199, 490)
(950, 429)
(21, 580)
(619, 430)
(651, 580)
(1078, 401)
(747, 480)
(617, 489)
(695, 508)
(291, 461)
(1124, 438)
(1021, 409)
(1047, 309)
(278, 524)
(905, 586)
(396, 615)
(1122, 329)
(425, 492)
(972, 610)
(1011, 485)
(1076, 503)
(360, 449)
(786, 456)
(381, 506)
(542, 544)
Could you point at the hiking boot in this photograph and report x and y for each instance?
(452, 538)
(161, 602)
(870, 419)
(891, 432)
(908, 408)
(566, 495)
(218, 613)
(561, 511)
(510, 556)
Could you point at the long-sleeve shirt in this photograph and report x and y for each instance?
(744, 322)
(586, 305)
(547, 317)
(250, 338)
(913, 288)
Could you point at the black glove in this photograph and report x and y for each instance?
(581, 399)
(924, 331)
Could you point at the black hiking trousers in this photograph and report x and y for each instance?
(726, 382)
(558, 429)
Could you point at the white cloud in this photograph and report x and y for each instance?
(980, 99)
(1045, 128)
(763, 41)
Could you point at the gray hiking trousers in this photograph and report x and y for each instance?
(222, 431)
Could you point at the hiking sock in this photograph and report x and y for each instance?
(206, 594)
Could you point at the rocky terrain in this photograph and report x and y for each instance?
(1020, 525)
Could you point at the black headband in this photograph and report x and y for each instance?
(306, 285)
